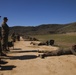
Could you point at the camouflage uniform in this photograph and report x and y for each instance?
(47, 43)
(5, 33)
(13, 37)
(0, 45)
(58, 52)
(1, 53)
(18, 37)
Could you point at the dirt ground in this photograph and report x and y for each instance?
(24, 60)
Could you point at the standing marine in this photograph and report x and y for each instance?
(5, 33)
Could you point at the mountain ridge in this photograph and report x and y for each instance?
(44, 29)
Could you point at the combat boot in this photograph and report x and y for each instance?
(42, 56)
(3, 54)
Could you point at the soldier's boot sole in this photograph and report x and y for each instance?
(2, 54)
(42, 56)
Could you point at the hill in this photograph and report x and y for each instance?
(68, 28)
(44, 29)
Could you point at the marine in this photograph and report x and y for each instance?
(13, 37)
(58, 52)
(18, 37)
(4, 33)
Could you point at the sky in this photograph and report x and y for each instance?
(37, 12)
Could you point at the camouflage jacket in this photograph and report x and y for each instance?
(5, 28)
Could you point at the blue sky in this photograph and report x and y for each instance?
(36, 12)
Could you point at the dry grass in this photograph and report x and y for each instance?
(62, 40)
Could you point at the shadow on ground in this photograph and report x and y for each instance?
(8, 67)
(3, 62)
(24, 51)
(17, 49)
(24, 57)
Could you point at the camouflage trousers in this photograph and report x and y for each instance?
(4, 42)
(0, 48)
(58, 53)
(55, 53)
